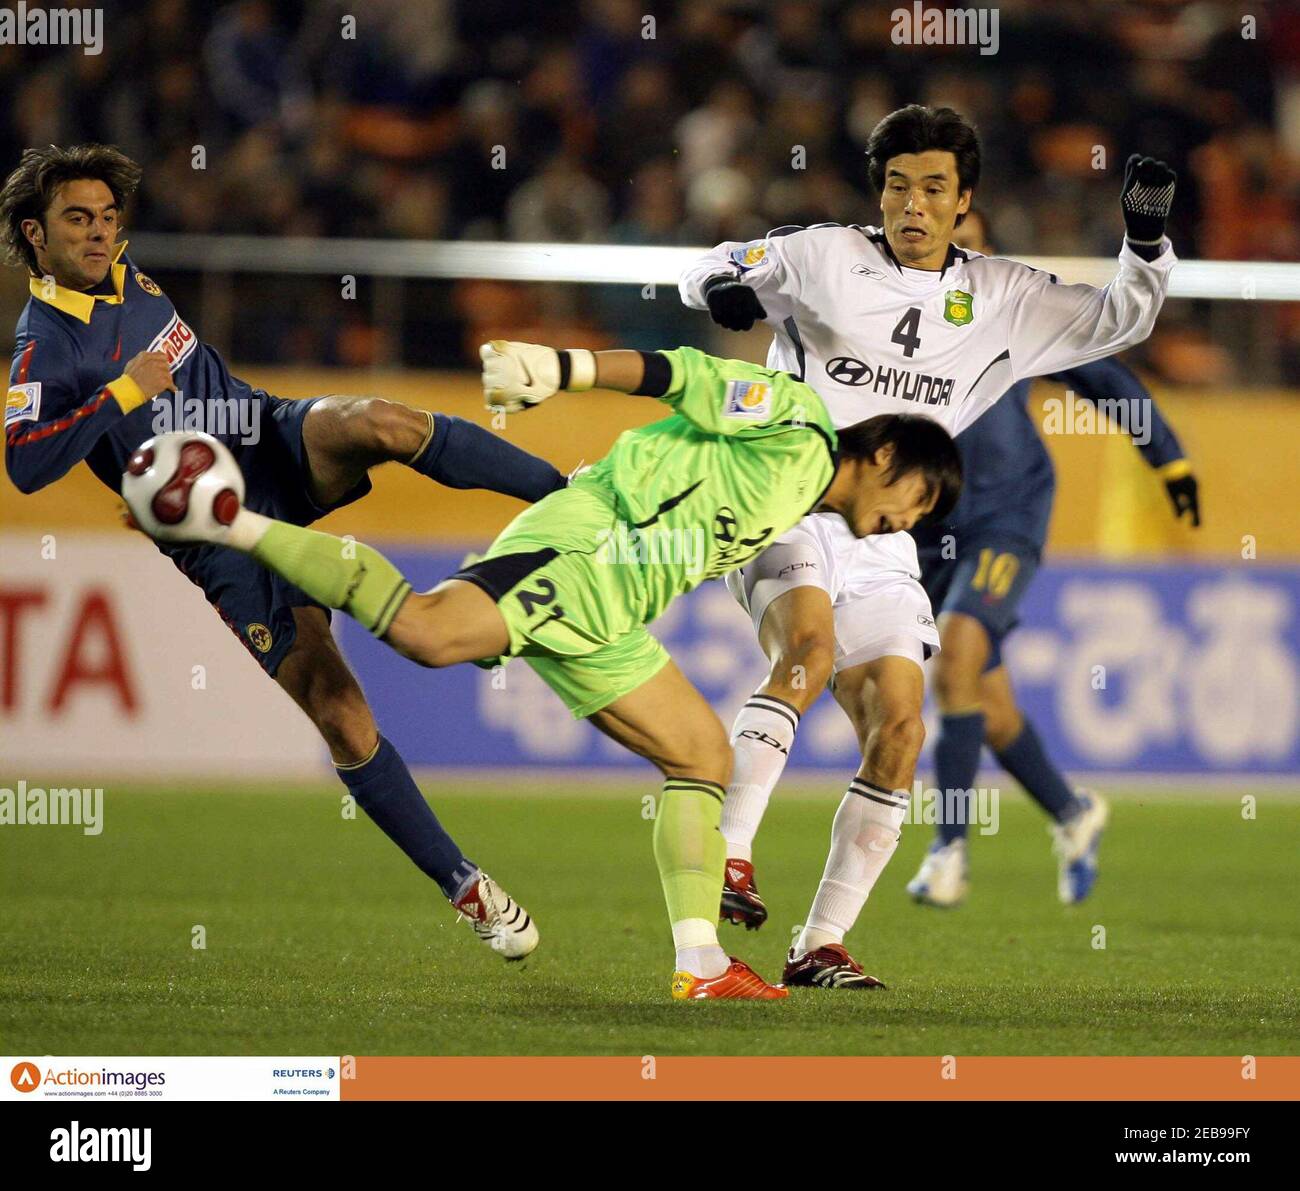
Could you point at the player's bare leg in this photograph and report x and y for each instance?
(1003, 720)
(883, 700)
(667, 721)
(455, 622)
(346, 436)
(798, 636)
(316, 677)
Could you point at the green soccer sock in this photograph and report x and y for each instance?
(339, 574)
(691, 855)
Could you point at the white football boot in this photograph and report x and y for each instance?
(942, 879)
(501, 922)
(1076, 842)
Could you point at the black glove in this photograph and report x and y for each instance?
(1147, 197)
(734, 306)
(1185, 494)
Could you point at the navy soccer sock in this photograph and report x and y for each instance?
(956, 761)
(1026, 761)
(463, 455)
(385, 790)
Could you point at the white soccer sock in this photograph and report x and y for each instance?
(863, 838)
(698, 950)
(246, 530)
(761, 739)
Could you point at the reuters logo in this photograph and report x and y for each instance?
(25, 1077)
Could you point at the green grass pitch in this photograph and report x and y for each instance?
(322, 939)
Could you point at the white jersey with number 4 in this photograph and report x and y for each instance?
(874, 336)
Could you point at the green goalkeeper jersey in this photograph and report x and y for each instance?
(748, 453)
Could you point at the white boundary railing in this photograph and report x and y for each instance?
(618, 264)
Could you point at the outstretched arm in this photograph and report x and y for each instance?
(1057, 326)
(1108, 384)
(517, 376)
(628, 371)
(720, 396)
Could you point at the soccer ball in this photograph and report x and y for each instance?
(183, 486)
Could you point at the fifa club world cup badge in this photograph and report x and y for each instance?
(748, 399)
(751, 257)
(958, 307)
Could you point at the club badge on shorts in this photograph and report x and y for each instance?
(260, 636)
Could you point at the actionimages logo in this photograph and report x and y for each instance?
(25, 1077)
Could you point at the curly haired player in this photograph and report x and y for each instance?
(97, 350)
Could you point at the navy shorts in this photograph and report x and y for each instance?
(256, 604)
(986, 580)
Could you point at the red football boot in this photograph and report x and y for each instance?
(827, 967)
(738, 982)
(740, 900)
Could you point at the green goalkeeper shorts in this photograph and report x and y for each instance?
(574, 611)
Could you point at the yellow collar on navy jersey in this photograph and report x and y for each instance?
(78, 303)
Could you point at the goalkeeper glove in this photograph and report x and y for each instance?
(734, 306)
(517, 376)
(1146, 200)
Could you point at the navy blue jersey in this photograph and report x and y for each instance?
(1009, 478)
(69, 398)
